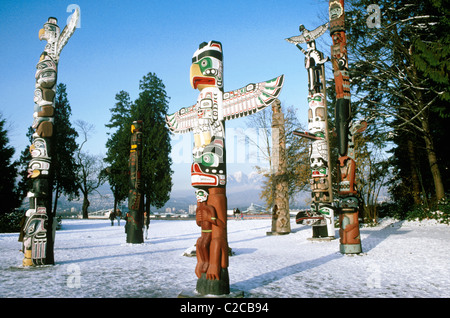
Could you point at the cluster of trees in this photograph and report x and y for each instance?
(79, 173)
(156, 175)
(8, 171)
(399, 75)
(400, 82)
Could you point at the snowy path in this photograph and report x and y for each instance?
(400, 259)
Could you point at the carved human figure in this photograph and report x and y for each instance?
(206, 218)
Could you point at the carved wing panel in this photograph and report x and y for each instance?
(182, 121)
(67, 32)
(251, 98)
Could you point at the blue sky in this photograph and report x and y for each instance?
(118, 42)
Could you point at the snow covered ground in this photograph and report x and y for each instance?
(400, 259)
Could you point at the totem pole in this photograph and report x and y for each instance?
(39, 228)
(280, 214)
(321, 215)
(348, 206)
(208, 171)
(135, 215)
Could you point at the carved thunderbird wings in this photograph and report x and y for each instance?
(238, 103)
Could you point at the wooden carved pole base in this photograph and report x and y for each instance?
(350, 240)
(212, 245)
(135, 235)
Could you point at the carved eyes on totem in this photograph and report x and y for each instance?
(205, 62)
(50, 28)
(206, 67)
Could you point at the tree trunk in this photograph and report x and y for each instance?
(413, 168)
(115, 202)
(85, 207)
(55, 203)
(429, 147)
(432, 160)
(147, 204)
(115, 205)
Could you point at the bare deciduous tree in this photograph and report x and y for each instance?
(297, 152)
(90, 176)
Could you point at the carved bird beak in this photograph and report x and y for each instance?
(198, 80)
(41, 33)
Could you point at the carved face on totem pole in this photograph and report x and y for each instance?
(316, 114)
(201, 195)
(318, 155)
(207, 66)
(336, 14)
(50, 33)
(335, 10)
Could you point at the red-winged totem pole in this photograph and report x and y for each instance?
(321, 214)
(348, 203)
(208, 171)
(39, 228)
(135, 215)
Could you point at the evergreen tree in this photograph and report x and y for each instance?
(8, 172)
(394, 81)
(64, 147)
(432, 51)
(24, 185)
(118, 147)
(151, 107)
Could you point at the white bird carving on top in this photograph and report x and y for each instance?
(306, 35)
(56, 40)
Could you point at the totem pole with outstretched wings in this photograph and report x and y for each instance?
(206, 119)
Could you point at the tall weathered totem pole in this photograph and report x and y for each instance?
(348, 206)
(208, 171)
(135, 215)
(321, 216)
(280, 214)
(39, 228)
